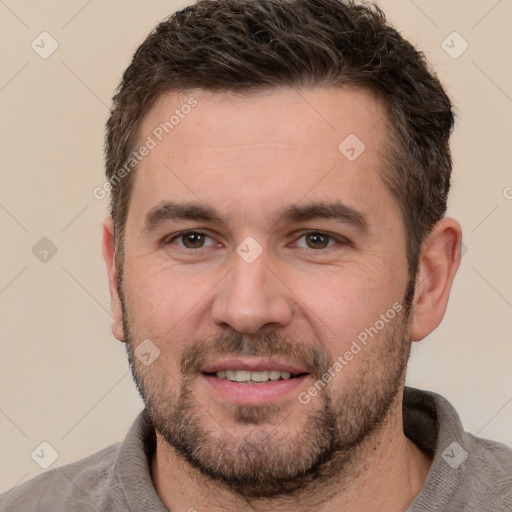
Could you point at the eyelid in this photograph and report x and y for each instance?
(170, 238)
(338, 238)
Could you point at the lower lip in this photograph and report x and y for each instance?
(261, 393)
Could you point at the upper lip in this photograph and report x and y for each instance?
(252, 365)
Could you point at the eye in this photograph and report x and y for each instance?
(320, 240)
(198, 240)
(190, 240)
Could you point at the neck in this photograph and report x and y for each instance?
(387, 469)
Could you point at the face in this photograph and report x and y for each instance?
(265, 267)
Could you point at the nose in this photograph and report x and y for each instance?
(251, 297)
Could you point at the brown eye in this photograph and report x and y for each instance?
(191, 240)
(317, 240)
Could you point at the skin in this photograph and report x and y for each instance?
(247, 157)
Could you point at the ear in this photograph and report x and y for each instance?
(113, 281)
(439, 261)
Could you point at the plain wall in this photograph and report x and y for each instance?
(64, 377)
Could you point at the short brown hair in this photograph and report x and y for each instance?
(252, 45)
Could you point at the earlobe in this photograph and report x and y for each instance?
(108, 247)
(439, 261)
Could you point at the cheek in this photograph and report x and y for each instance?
(162, 302)
(343, 303)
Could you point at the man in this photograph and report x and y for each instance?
(277, 239)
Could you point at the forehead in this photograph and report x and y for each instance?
(266, 116)
(248, 153)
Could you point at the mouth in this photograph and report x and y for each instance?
(254, 377)
(254, 381)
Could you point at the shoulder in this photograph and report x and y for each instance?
(75, 486)
(468, 473)
(494, 455)
(489, 474)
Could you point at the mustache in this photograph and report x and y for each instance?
(312, 357)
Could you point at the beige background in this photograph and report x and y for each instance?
(64, 377)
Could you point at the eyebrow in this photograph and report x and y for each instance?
(168, 211)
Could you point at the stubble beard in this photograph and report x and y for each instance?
(275, 458)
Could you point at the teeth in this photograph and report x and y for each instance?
(241, 376)
(246, 376)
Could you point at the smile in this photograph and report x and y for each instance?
(255, 377)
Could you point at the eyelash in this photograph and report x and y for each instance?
(337, 238)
